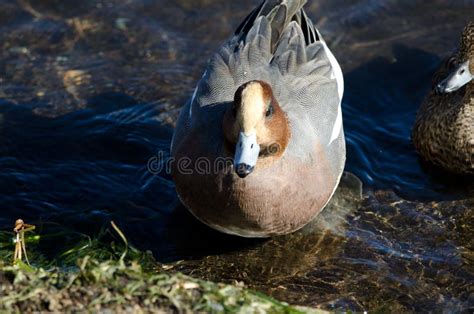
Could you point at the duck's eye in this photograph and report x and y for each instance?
(269, 112)
(451, 62)
(274, 149)
(461, 72)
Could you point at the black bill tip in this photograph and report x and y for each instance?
(243, 170)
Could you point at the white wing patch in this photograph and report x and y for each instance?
(336, 73)
(337, 128)
(192, 101)
(194, 96)
(336, 69)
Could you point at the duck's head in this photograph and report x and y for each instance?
(255, 127)
(463, 73)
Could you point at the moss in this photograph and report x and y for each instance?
(108, 274)
(94, 285)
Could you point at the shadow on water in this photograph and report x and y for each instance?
(89, 161)
(83, 169)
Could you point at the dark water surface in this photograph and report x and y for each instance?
(89, 93)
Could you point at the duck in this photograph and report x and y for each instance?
(259, 148)
(443, 133)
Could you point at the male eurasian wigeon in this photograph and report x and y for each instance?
(259, 149)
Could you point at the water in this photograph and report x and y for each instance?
(89, 93)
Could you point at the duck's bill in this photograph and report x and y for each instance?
(246, 154)
(459, 77)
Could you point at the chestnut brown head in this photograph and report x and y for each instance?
(255, 127)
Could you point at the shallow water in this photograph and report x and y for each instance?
(89, 93)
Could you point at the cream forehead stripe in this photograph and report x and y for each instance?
(251, 108)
